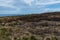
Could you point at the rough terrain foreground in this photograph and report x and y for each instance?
(45, 26)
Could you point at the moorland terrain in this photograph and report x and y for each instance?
(45, 26)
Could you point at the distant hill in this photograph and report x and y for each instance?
(51, 16)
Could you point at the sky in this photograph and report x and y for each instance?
(28, 6)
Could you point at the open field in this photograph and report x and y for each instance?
(44, 26)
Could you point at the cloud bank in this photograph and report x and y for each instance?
(28, 6)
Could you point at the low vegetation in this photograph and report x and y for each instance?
(44, 26)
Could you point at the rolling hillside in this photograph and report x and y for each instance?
(45, 26)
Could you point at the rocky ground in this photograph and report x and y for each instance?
(44, 26)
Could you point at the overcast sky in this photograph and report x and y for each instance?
(28, 6)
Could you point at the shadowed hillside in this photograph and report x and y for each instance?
(45, 26)
(54, 16)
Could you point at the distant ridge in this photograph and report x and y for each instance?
(50, 16)
(54, 16)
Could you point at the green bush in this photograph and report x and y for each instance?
(24, 38)
(2, 31)
(33, 38)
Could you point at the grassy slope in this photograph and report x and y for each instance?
(30, 27)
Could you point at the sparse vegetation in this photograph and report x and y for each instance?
(31, 27)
